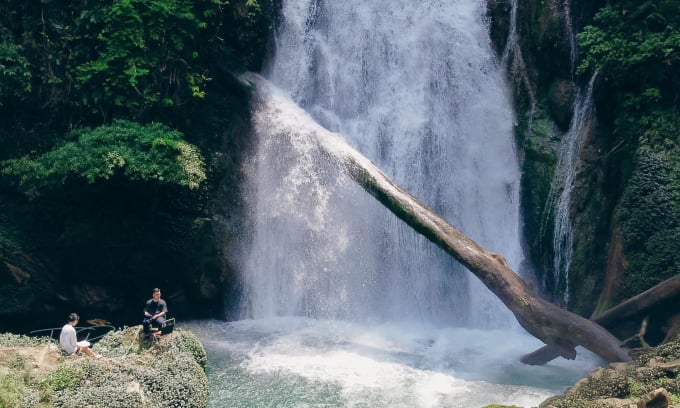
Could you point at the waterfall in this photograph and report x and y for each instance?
(513, 60)
(342, 303)
(570, 35)
(559, 198)
(413, 86)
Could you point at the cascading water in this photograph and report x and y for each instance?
(414, 86)
(513, 60)
(563, 183)
(343, 304)
(570, 35)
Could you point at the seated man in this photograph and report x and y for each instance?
(68, 341)
(155, 311)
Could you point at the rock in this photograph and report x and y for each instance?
(499, 12)
(619, 366)
(659, 398)
(615, 403)
(166, 373)
(668, 367)
(560, 102)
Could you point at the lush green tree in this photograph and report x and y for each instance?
(149, 153)
(147, 55)
(636, 49)
(67, 64)
(93, 189)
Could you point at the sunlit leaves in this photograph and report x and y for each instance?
(150, 153)
(636, 49)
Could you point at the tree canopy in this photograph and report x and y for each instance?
(119, 121)
(149, 153)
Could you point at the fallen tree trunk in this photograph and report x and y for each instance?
(542, 319)
(636, 305)
(641, 303)
(547, 322)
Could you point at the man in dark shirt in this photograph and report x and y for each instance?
(155, 311)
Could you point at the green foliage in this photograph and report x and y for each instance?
(17, 340)
(151, 153)
(627, 37)
(65, 64)
(148, 55)
(636, 49)
(156, 377)
(16, 372)
(11, 392)
(65, 377)
(252, 23)
(186, 342)
(15, 76)
(650, 222)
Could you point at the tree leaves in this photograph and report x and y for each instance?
(151, 153)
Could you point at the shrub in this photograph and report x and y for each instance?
(152, 152)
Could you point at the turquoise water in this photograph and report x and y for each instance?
(300, 362)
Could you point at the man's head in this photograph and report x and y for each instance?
(73, 317)
(156, 293)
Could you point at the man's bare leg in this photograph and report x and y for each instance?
(89, 352)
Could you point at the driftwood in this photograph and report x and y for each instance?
(641, 303)
(636, 305)
(554, 326)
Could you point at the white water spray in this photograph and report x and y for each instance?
(414, 86)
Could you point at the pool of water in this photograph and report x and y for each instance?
(301, 362)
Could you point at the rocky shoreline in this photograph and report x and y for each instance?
(133, 372)
(649, 381)
(170, 372)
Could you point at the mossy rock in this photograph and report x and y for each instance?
(651, 369)
(131, 373)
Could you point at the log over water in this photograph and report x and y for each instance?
(556, 327)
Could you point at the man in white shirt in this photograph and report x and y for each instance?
(69, 341)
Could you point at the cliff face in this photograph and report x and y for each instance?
(623, 204)
(99, 250)
(542, 68)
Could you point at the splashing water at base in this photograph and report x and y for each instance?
(300, 362)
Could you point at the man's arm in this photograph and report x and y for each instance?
(147, 313)
(164, 310)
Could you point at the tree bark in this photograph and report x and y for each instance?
(638, 304)
(641, 303)
(547, 322)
